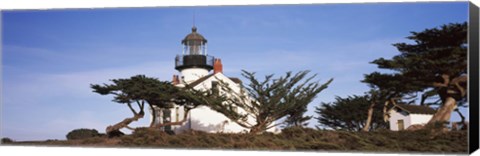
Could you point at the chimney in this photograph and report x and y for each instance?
(175, 80)
(217, 66)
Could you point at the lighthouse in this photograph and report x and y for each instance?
(195, 67)
(194, 62)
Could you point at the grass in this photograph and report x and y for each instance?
(303, 139)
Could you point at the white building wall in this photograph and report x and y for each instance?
(395, 116)
(420, 118)
(408, 119)
(192, 74)
(205, 119)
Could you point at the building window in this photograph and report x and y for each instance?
(215, 87)
(401, 125)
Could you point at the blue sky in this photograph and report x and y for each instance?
(49, 57)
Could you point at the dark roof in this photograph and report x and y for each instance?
(415, 109)
(200, 80)
(236, 80)
(194, 36)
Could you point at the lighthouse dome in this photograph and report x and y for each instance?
(194, 38)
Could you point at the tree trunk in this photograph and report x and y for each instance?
(448, 95)
(154, 116)
(255, 130)
(124, 123)
(258, 128)
(366, 128)
(444, 112)
(386, 116)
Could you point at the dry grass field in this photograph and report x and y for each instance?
(291, 139)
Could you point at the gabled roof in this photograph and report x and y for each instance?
(200, 80)
(415, 109)
(236, 80)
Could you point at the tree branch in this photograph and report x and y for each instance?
(124, 123)
(274, 125)
(446, 81)
(461, 115)
(139, 106)
(131, 108)
(130, 128)
(456, 82)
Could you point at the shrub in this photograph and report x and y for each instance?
(82, 133)
(6, 140)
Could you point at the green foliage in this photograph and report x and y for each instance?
(348, 113)
(139, 89)
(434, 52)
(270, 99)
(142, 90)
(296, 117)
(390, 85)
(82, 133)
(6, 140)
(434, 65)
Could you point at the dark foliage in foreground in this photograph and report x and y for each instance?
(293, 138)
(115, 133)
(82, 133)
(349, 113)
(6, 140)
